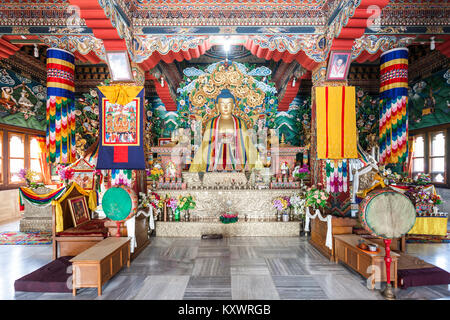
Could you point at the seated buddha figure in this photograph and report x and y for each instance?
(226, 145)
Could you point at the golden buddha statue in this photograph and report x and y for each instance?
(226, 145)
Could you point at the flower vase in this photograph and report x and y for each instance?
(187, 216)
(154, 184)
(170, 211)
(177, 214)
(291, 215)
(285, 216)
(278, 216)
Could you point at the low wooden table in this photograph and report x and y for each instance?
(369, 265)
(96, 265)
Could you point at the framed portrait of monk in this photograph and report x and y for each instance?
(338, 65)
(79, 210)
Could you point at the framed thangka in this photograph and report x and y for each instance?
(121, 127)
(121, 123)
(83, 174)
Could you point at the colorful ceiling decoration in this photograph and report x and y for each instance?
(149, 50)
(306, 49)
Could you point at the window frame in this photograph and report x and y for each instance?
(5, 132)
(428, 134)
(24, 140)
(422, 157)
(431, 157)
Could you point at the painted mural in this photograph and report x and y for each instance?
(367, 115)
(295, 123)
(429, 100)
(22, 102)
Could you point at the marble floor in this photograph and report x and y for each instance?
(244, 268)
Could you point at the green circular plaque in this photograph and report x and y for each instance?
(116, 204)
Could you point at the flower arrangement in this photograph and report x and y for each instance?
(65, 173)
(301, 172)
(297, 201)
(229, 218)
(423, 179)
(172, 203)
(29, 177)
(316, 197)
(186, 203)
(281, 203)
(150, 199)
(155, 173)
(436, 199)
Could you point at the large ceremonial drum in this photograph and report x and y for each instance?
(119, 203)
(387, 213)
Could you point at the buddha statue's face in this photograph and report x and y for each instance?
(225, 106)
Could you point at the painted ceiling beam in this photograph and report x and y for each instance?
(101, 25)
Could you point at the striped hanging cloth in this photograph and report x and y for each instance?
(393, 138)
(60, 132)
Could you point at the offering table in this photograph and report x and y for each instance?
(254, 204)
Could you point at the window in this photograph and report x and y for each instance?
(418, 158)
(35, 152)
(16, 156)
(19, 149)
(437, 157)
(430, 154)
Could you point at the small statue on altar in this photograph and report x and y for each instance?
(284, 169)
(226, 144)
(171, 170)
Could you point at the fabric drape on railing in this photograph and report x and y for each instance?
(41, 200)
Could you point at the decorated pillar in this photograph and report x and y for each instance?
(393, 106)
(60, 135)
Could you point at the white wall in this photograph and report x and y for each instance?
(9, 205)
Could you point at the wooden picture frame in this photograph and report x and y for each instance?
(163, 141)
(79, 210)
(338, 65)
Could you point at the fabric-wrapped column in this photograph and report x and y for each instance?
(60, 138)
(394, 102)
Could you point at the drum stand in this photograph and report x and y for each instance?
(388, 292)
(118, 229)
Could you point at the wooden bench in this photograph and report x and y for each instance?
(93, 267)
(364, 263)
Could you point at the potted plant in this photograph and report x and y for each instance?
(301, 172)
(316, 198)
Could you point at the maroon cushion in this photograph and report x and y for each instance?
(53, 277)
(422, 277)
(91, 228)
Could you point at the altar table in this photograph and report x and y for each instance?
(237, 229)
(436, 226)
(211, 203)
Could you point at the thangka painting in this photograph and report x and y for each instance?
(121, 127)
(83, 174)
(256, 97)
(22, 102)
(120, 123)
